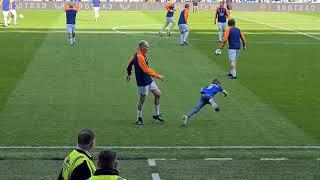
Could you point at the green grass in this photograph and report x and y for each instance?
(49, 90)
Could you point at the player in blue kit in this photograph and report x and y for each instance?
(233, 35)
(5, 4)
(71, 14)
(183, 25)
(207, 97)
(13, 12)
(96, 9)
(222, 14)
(169, 17)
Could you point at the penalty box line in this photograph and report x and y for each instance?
(168, 147)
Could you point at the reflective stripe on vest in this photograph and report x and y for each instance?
(73, 160)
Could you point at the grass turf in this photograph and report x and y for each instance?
(50, 90)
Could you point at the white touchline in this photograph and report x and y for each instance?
(152, 162)
(279, 27)
(273, 159)
(116, 29)
(155, 176)
(218, 159)
(170, 147)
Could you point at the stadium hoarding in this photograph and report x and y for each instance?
(148, 6)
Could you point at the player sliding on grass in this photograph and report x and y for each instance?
(169, 18)
(222, 14)
(233, 35)
(145, 83)
(207, 97)
(71, 14)
(183, 25)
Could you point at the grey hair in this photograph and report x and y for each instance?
(143, 44)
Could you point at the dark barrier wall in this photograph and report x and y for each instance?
(145, 6)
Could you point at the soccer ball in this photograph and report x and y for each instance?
(217, 52)
(21, 16)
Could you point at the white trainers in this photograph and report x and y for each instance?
(185, 120)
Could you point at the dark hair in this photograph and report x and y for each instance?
(216, 81)
(85, 137)
(231, 22)
(186, 6)
(106, 158)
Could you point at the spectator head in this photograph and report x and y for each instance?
(144, 46)
(187, 6)
(87, 139)
(107, 159)
(231, 22)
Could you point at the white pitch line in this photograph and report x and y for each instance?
(279, 27)
(169, 147)
(116, 29)
(273, 159)
(218, 159)
(152, 162)
(318, 159)
(155, 176)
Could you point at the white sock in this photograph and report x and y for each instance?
(164, 27)
(186, 36)
(71, 40)
(233, 72)
(156, 110)
(74, 39)
(213, 104)
(5, 21)
(15, 20)
(181, 38)
(220, 35)
(139, 113)
(170, 28)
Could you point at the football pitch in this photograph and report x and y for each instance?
(268, 128)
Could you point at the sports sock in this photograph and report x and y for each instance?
(164, 27)
(181, 38)
(139, 113)
(74, 39)
(170, 28)
(186, 36)
(220, 35)
(156, 110)
(233, 72)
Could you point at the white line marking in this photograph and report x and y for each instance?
(155, 176)
(152, 162)
(116, 29)
(318, 159)
(279, 27)
(218, 159)
(168, 147)
(273, 159)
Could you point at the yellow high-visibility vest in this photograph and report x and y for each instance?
(73, 160)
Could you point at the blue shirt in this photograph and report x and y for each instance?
(169, 13)
(6, 5)
(234, 35)
(71, 14)
(96, 3)
(212, 89)
(222, 15)
(13, 5)
(183, 17)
